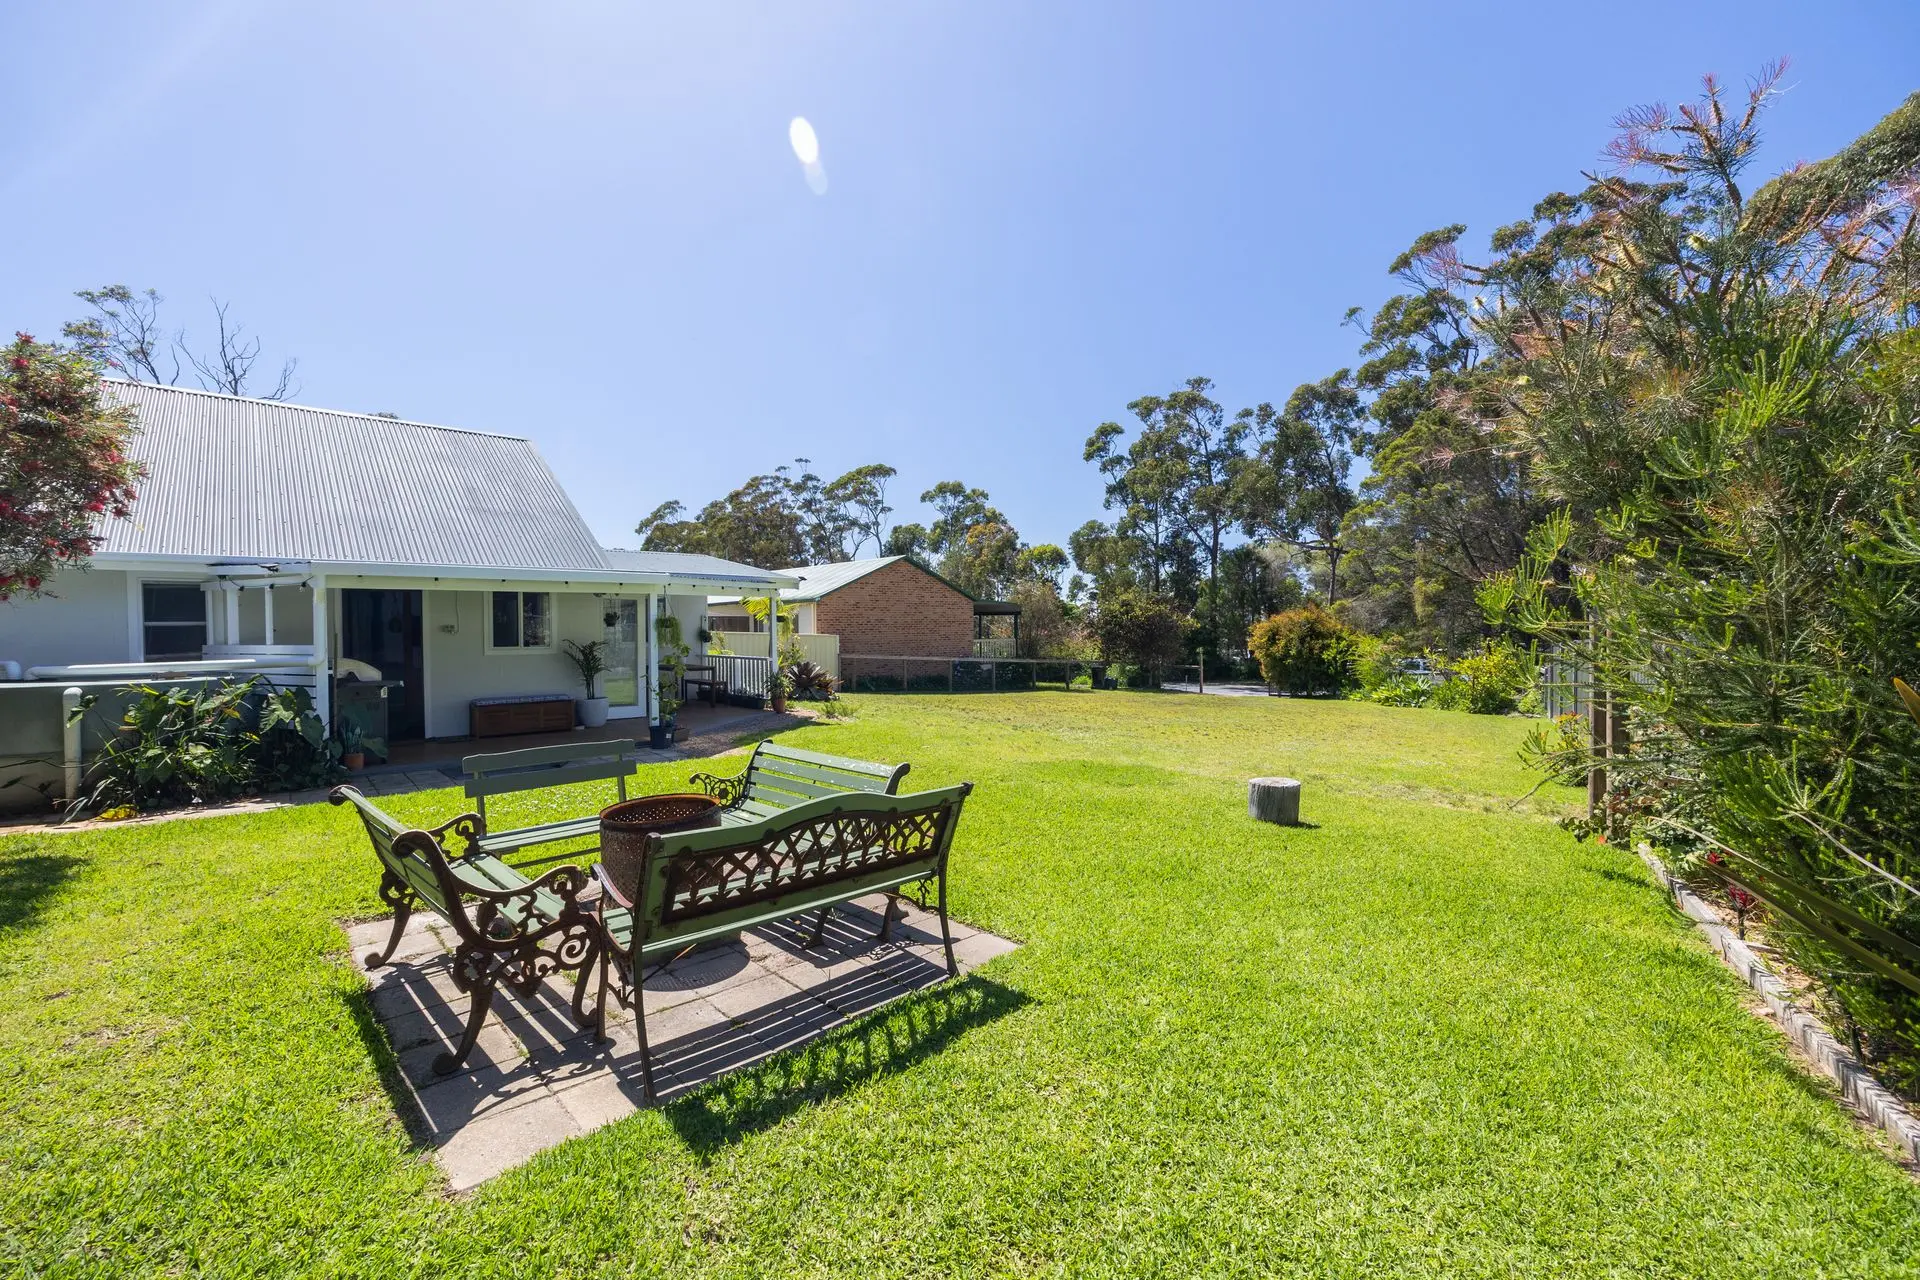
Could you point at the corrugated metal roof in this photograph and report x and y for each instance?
(229, 477)
(817, 580)
(679, 564)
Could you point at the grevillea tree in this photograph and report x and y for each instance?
(63, 463)
(1723, 395)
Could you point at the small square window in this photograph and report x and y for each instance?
(520, 620)
(173, 621)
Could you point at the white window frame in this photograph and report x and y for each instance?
(140, 586)
(520, 612)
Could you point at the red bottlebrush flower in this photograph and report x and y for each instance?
(33, 584)
(96, 507)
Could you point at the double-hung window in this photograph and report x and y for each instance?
(173, 621)
(520, 622)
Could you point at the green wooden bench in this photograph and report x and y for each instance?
(779, 777)
(704, 883)
(513, 930)
(535, 769)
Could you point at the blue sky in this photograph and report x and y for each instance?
(582, 222)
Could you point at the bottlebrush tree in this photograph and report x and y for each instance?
(63, 463)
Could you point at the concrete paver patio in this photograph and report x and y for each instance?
(536, 1078)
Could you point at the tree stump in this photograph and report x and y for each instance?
(1274, 800)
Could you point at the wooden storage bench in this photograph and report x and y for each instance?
(530, 713)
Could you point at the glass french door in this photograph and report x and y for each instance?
(622, 680)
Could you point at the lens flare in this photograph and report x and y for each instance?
(806, 148)
(806, 143)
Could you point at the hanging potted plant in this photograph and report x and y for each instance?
(590, 660)
(673, 671)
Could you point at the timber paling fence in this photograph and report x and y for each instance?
(899, 673)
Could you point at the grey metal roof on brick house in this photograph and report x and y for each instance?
(230, 477)
(817, 580)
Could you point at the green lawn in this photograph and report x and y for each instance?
(1428, 1035)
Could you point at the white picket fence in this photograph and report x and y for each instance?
(821, 650)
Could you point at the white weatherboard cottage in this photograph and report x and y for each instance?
(311, 545)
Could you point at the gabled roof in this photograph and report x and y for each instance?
(234, 478)
(817, 580)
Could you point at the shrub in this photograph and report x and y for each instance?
(199, 745)
(1142, 630)
(294, 752)
(810, 681)
(1372, 662)
(1302, 650)
(1492, 681)
(1401, 690)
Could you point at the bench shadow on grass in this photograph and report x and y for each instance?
(26, 883)
(386, 1064)
(890, 1040)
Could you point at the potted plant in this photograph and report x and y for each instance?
(353, 746)
(590, 660)
(673, 671)
(778, 688)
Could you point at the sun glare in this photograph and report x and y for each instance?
(806, 146)
(806, 143)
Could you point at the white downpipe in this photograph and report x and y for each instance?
(70, 743)
(323, 648)
(268, 602)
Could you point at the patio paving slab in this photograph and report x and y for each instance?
(537, 1078)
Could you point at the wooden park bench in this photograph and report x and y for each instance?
(703, 883)
(777, 778)
(513, 930)
(536, 769)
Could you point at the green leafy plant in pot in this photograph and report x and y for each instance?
(590, 660)
(673, 671)
(353, 746)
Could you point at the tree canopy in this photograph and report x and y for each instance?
(63, 463)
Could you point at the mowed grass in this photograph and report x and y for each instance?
(1429, 1034)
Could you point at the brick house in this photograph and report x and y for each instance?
(890, 606)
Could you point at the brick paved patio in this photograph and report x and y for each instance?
(536, 1079)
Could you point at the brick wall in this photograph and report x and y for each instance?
(901, 609)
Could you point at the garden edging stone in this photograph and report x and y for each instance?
(1860, 1088)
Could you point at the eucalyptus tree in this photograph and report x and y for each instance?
(1299, 488)
(123, 331)
(1174, 484)
(861, 497)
